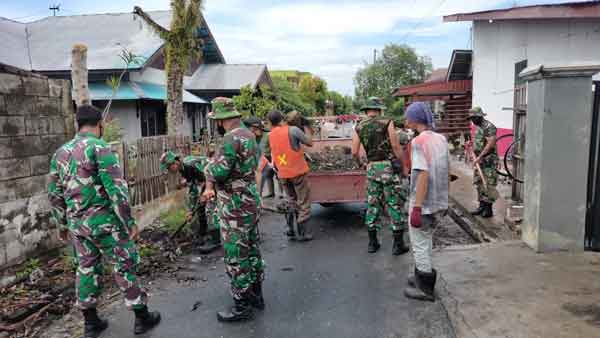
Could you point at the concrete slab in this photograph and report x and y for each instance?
(464, 197)
(507, 290)
(328, 288)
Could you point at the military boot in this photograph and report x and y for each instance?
(212, 244)
(479, 210)
(240, 311)
(373, 242)
(424, 288)
(93, 325)
(256, 299)
(399, 247)
(488, 211)
(145, 320)
(304, 233)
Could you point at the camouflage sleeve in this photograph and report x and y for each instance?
(489, 131)
(56, 197)
(115, 185)
(220, 166)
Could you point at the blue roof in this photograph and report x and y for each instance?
(100, 91)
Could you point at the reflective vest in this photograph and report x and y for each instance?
(289, 163)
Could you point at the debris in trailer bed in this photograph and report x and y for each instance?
(335, 158)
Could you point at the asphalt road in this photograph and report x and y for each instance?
(327, 288)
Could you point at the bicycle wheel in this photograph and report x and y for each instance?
(501, 168)
(509, 156)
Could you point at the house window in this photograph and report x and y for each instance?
(153, 119)
(519, 67)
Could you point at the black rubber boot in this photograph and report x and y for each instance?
(145, 320)
(240, 311)
(488, 211)
(290, 218)
(399, 247)
(213, 244)
(304, 233)
(479, 210)
(256, 299)
(424, 288)
(373, 242)
(93, 325)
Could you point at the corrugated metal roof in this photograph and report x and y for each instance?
(136, 90)
(225, 77)
(51, 39)
(569, 10)
(13, 43)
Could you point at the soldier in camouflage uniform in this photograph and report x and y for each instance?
(231, 172)
(90, 204)
(387, 183)
(202, 215)
(487, 157)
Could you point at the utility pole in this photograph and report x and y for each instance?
(374, 56)
(54, 9)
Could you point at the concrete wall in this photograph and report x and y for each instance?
(499, 45)
(125, 112)
(556, 170)
(36, 117)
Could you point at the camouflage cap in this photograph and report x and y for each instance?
(373, 103)
(255, 122)
(476, 112)
(223, 108)
(167, 159)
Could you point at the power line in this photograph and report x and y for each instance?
(420, 22)
(54, 9)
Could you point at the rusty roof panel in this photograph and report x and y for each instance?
(570, 10)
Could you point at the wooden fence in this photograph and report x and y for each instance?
(140, 161)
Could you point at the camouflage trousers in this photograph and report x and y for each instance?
(243, 260)
(488, 168)
(386, 190)
(205, 218)
(122, 253)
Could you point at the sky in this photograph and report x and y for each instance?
(329, 38)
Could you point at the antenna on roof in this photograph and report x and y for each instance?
(54, 9)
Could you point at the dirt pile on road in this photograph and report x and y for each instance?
(336, 158)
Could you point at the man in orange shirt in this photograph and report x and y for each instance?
(284, 149)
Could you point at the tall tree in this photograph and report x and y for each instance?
(313, 90)
(255, 102)
(182, 45)
(399, 65)
(289, 99)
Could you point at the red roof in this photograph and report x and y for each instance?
(436, 88)
(570, 10)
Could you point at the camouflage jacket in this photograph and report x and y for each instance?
(373, 134)
(487, 129)
(192, 169)
(87, 191)
(232, 169)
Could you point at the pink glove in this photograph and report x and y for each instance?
(415, 217)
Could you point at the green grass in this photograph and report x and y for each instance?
(147, 251)
(28, 268)
(172, 219)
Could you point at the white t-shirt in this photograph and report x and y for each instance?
(430, 153)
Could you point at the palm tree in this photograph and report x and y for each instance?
(182, 45)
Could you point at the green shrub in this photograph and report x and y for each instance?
(172, 219)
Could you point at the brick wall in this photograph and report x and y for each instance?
(36, 117)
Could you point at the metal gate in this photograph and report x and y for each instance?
(592, 228)
(519, 123)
